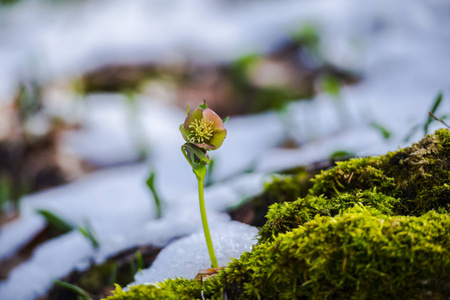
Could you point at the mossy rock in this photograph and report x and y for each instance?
(418, 175)
(360, 254)
(411, 181)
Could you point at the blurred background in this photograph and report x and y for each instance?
(92, 93)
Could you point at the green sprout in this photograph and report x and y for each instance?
(139, 261)
(203, 131)
(151, 185)
(55, 221)
(88, 232)
(81, 294)
(385, 132)
(331, 85)
(136, 126)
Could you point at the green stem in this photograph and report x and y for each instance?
(200, 172)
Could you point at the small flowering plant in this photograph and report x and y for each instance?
(203, 130)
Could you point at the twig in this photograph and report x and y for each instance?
(437, 119)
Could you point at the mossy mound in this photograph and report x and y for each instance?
(171, 289)
(418, 175)
(411, 181)
(360, 254)
(283, 217)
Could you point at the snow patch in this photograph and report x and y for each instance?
(186, 256)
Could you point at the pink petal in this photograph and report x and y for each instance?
(209, 115)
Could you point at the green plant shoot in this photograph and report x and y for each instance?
(82, 294)
(55, 221)
(151, 185)
(88, 232)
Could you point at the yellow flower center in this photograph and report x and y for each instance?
(201, 131)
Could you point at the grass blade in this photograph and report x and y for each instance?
(79, 291)
(436, 104)
(139, 261)
(55, 221)
(151, 185)
(88, 233)
(386, 133)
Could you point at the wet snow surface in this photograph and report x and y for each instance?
(399, 47)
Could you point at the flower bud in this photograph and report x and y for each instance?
(204, 129)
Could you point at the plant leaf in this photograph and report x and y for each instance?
(193, 152)
(386, 133)
(435, 106)
(139, 261)
(88, 233)
(79, 291)
(151, 185)
(203, 105)
(55, 221)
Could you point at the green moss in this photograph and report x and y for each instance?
(283, 217)
(419, 175)
(176, 289)
(361, 254)
(353, 175)
(282, 188)
(286, 188)
(411, 181)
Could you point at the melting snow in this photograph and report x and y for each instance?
(186, 256)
